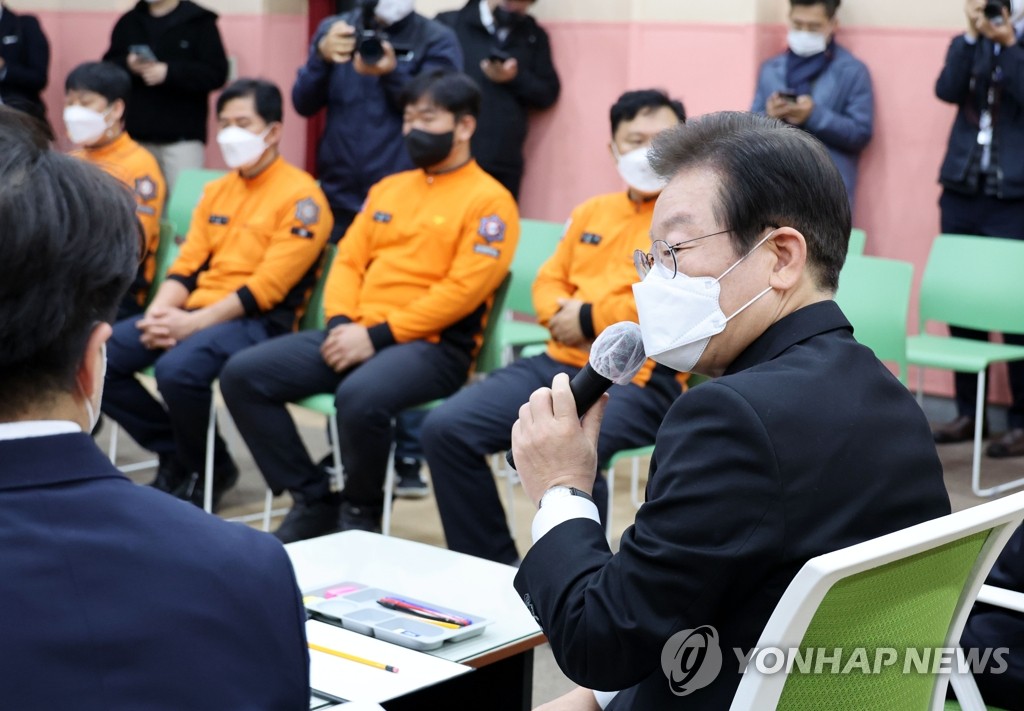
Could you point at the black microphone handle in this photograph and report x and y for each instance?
(587, 388)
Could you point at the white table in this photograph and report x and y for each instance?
(502, 655)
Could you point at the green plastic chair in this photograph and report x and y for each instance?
(874, 293)
(911, 589)
(974, 282)
(537, 242)
(488, 358)
(185, 196)
(858, 240)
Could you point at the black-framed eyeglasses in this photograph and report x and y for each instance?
(664, 254)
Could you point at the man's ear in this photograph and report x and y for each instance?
(465, 127)
(790, 250)
(275, 134)
(91, 370)
(117, 110)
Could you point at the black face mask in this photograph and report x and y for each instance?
(427, 149)
(505, 19)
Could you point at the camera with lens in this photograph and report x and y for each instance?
(370, 37)
(994, 10)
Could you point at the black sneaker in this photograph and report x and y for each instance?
(409, 483)
(309, 519)
(192, 489)
(359, 518)
(170, 474)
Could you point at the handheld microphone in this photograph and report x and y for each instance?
(615, 358)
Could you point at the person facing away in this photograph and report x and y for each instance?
(95, 97)
(583, 288)
(115, 597)
(982, 180)
(802, 444)
(175, 55)
(819, 86)
(509, 55)
(406, 301)
(243, 274)
(24, 64)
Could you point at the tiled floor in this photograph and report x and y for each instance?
(418, 519)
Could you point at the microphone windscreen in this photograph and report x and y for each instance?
(618, 353)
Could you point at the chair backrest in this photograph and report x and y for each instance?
(166, 253)
(313, 318)
(490, 356)
(858, 240)
(187, 190)
(908, 590)
(537, 242)
(874, 293)
(974, 282)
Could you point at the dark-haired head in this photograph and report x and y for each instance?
(104, 78)
(453, 92)
(769, 174)
(439, 119)
(70, 248)
(829, 6)
(643, 101)
(265, 95)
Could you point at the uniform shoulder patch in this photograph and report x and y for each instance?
(307, 211)
(492, 229)
(145, 188)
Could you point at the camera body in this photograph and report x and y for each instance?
(994, 10)
(370, 37)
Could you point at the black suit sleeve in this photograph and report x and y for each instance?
(117, 53)
(30, 75)
(711, 519)
(954, 82)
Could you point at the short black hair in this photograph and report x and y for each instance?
(830, 5)
(104, 78)
(635, 102)
(770, 174)
(452, 91)
(266, 97)
(70, 249)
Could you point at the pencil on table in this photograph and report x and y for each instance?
(354, 658)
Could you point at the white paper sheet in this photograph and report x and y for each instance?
(360, 682)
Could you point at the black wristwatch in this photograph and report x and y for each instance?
(557, 492)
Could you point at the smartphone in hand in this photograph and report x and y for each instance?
(144, 51)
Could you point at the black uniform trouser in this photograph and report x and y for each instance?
(478, 421)
(184, 375)
(985, 216)
(257, 384)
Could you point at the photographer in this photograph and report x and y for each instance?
(359, 63)
(982, 175)
(508, 54)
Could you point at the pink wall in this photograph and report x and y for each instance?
(711, 67)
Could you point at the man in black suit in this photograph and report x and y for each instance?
(114, 596)
(24, 63)
(802, 444)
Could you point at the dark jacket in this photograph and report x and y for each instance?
(26, 55)
(187, 39)
(806, 445)
(118, 597)
(956, 85)
(362, 141)
(504, 119)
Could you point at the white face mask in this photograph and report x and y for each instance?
(806, 44)
(89, 407)
(391, 11)
(241, 148)
(637, 171)
(84, 125)
(679, 316)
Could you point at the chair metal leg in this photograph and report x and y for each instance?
(610, 475)
(211, 434)
(634, 483)
(511, 479)
(338, 479)
(920, 385)
(966, 689)
(112, 448)
(389, 495)
(979, 413)
(267, 504)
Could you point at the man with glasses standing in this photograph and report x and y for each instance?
(581, 290)
(804, 443)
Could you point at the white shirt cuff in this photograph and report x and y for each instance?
(560, 510)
